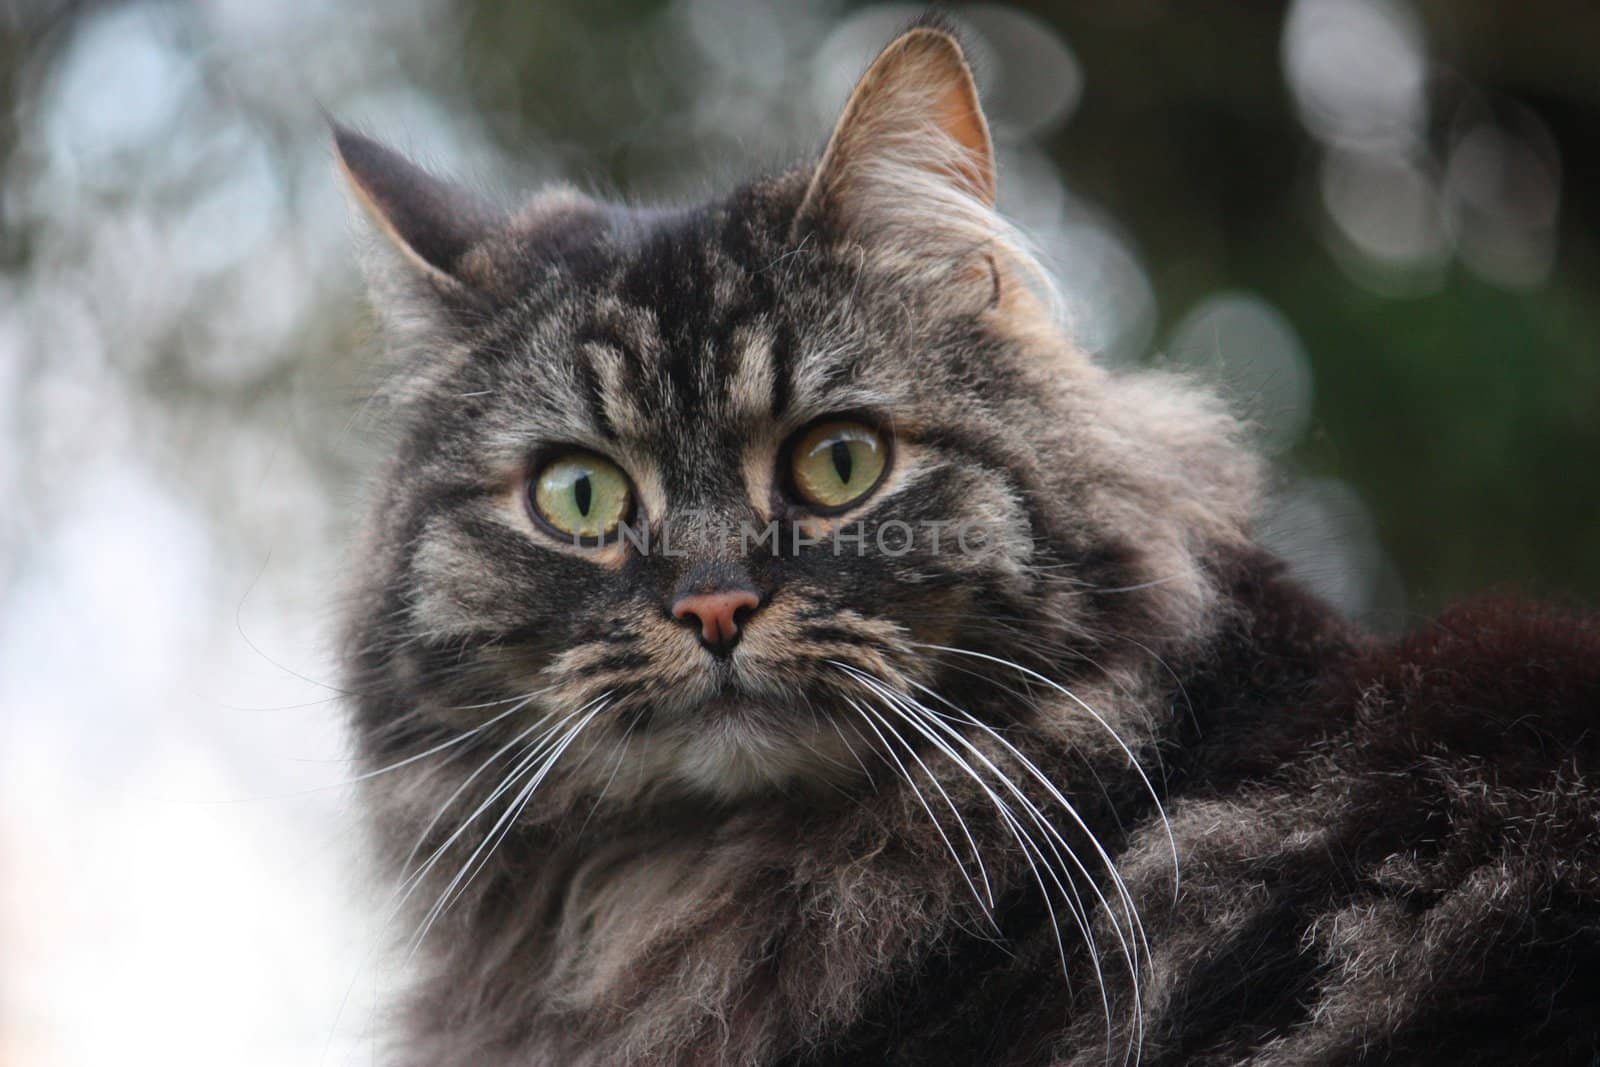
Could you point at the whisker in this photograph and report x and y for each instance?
(833, 720)
(1130, 948)
(1172, 840)
(1136, 930)
(1044, 780)
(1088, 765)
(519, 804)
(531, 753)
(465, 735)
(403, 891)
(497, 833)
(521, 703)
(467, 783)
(622, 754)
(961, 864)
(1031, 849)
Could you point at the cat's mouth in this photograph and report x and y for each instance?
(764, 685)
(733, 743)
(787, 707)
(721, 692)
(734, 706)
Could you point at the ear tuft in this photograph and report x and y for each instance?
(914, 117)
(431, 222)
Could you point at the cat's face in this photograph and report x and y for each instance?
(695, 492)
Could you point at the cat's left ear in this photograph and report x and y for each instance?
(429, 228)
(911, 148)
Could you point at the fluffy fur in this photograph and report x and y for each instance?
(929, 810)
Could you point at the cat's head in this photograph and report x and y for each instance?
(719, 484)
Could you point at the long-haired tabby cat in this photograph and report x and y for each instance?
(774, 643)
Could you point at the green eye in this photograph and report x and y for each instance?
(582, 495)
(834, 464)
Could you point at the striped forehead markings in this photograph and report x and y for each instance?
(733, 371)
(686, 329)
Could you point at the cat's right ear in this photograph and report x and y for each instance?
(909, 172)
(912, 130)
(428, 228)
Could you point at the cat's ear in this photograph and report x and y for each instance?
(428, 228)
(912, 139)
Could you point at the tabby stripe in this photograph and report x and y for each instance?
(594, 391)
(780, 359)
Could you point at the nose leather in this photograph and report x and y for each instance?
(717, 614)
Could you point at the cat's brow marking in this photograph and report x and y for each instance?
(614, 397)
(751, 388)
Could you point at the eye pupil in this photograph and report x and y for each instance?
(842, 461)
(583, 494)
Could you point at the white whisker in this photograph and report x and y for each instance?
(465, 735)
(1030, 848)
(467, 782)
(1172, 840)
(530, 755)
(616, 767)
(501, 827)
(913, 710)
(986, 898)
(1056, 795)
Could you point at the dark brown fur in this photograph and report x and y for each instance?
(1391, 855)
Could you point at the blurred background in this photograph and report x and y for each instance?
(1371, 222)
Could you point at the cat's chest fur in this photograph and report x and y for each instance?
(1369, 847)
(725, 936)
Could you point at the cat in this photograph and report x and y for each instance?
(688, 740)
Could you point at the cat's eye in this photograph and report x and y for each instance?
(582, 495)
(836, 463)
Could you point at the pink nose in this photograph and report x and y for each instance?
(718, 616)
